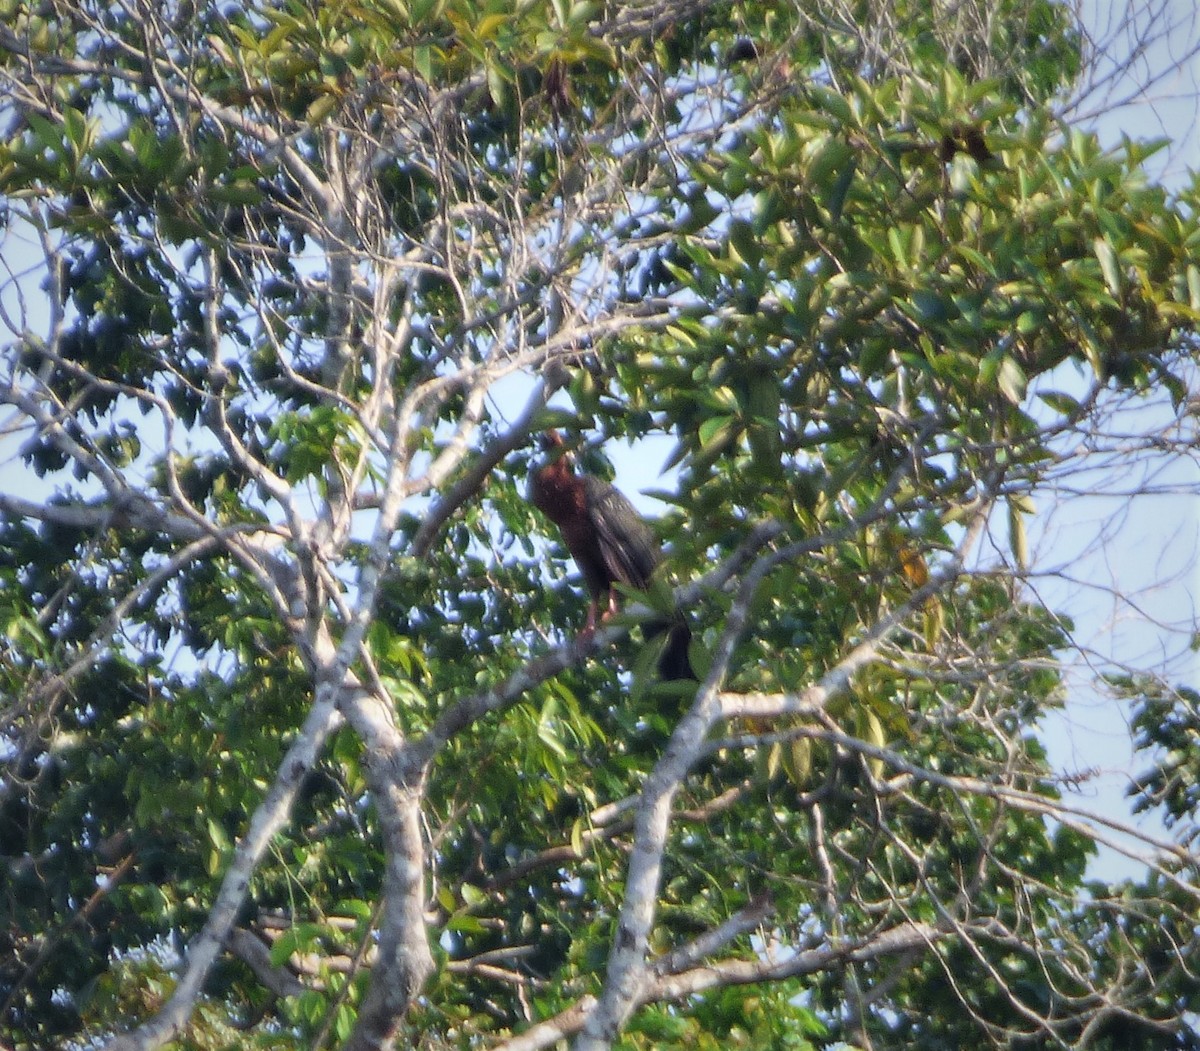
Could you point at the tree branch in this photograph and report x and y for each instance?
(270, 816)
(249, 948)
(627, 960)
(903, 938)
(483, 464)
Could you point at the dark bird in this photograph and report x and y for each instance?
(965, 138)
(610, 543)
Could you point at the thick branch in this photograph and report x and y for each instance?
(268, 819)
(661, 985)
(404, 960)
(468, 485)
(256, 955)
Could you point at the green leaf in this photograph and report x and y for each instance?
(423, 61)
(1107, 256)
(715, 430)
(831, 102)
(829, 164)
(321, 107)
(745, 242)
(930, 307)
(1029, 322)
(1011, 379)
(425, 10)
(1017, 537)
(796, 758)
(237, 193)
(933, 623)
(835, 199)
(77, 129)
(344, 1018)
(497, 81)
(299, 938)
(873, 734)
(489, 25)
(548, 728)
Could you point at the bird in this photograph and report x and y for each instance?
(610, 542)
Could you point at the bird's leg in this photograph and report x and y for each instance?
(594, 616)
(589, 626)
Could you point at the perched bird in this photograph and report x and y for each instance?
(610, 543)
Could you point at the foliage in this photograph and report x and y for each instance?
(300, 749)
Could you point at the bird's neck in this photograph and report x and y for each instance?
(557, 493)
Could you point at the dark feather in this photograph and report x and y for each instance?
(628, 546)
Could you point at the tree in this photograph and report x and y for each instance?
(300, 746)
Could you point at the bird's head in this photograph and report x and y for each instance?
(551, 483)
(555, 451)
(551, 440)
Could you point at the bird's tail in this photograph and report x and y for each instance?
(673, 663)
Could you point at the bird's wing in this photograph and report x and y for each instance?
(629, 546)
